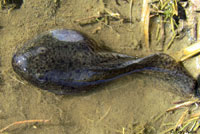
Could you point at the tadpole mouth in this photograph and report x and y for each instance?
(19, 63)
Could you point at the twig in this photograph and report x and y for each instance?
(16, 79)
(156, 118)
(131, 8)
(115, 130)
(88, 18)
(104, 115)
(22, 122)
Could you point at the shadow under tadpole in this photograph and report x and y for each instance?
(197, 93)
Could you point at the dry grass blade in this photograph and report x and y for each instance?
(170, 43)
(22, 122)
(185, 104)
(195, 115)
(166, 131)
(131, 8)
(181, 119)
(191, 51)
(186, 53)
(190, 120)
(196, 127)
(145, 21)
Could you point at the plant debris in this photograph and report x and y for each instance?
(103, 17)
(180, 15)
(22, 122)
(169, 12)
(10, 4)
(189, 121)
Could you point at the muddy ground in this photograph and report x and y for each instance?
(130, 102)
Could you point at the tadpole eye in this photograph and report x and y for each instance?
(41, 50)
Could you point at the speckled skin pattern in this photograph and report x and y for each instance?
(66, 61)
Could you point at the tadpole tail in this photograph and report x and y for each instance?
(164, 67)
